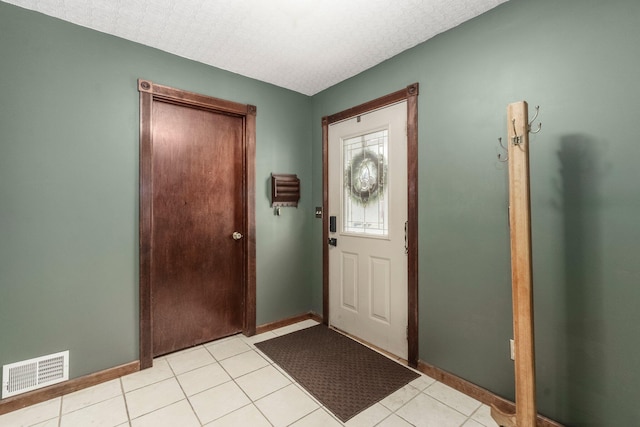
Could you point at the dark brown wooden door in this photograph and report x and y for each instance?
(196, 265)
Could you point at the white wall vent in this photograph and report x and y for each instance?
(32, 374)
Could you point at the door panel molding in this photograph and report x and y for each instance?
(150, 92)
(410, 94)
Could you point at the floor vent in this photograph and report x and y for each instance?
(32, 374)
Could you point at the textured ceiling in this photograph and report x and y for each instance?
(302, 45)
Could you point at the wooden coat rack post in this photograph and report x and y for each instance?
(521, 271)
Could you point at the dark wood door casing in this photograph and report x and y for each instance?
(165, 103)
(410, 94)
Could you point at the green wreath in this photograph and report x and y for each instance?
(366, 177)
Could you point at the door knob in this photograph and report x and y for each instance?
(236, 235)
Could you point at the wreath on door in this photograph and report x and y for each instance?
(366, 177)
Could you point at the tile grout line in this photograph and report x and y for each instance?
(124, 397)
(93, 403)
(175, 377)
(262, 413)
(252, 402)
(446, 404)
(387, 417)
(395, 412)
(231, 380)
(60, 412)
(243, 392)
(473, 413)
(185, 394)
(161, 358)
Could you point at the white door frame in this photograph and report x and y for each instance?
(410, 94)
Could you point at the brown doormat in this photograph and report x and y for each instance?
(346, 376)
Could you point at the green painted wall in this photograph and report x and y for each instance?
(69, 179)
(580, 61)
(69, 188)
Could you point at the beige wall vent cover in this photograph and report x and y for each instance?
(32, 374)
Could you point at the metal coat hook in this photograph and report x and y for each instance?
(532, 120)
(506, 156)
(517, 139)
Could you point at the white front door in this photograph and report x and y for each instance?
(368, 198)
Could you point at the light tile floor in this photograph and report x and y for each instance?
(231, 383)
